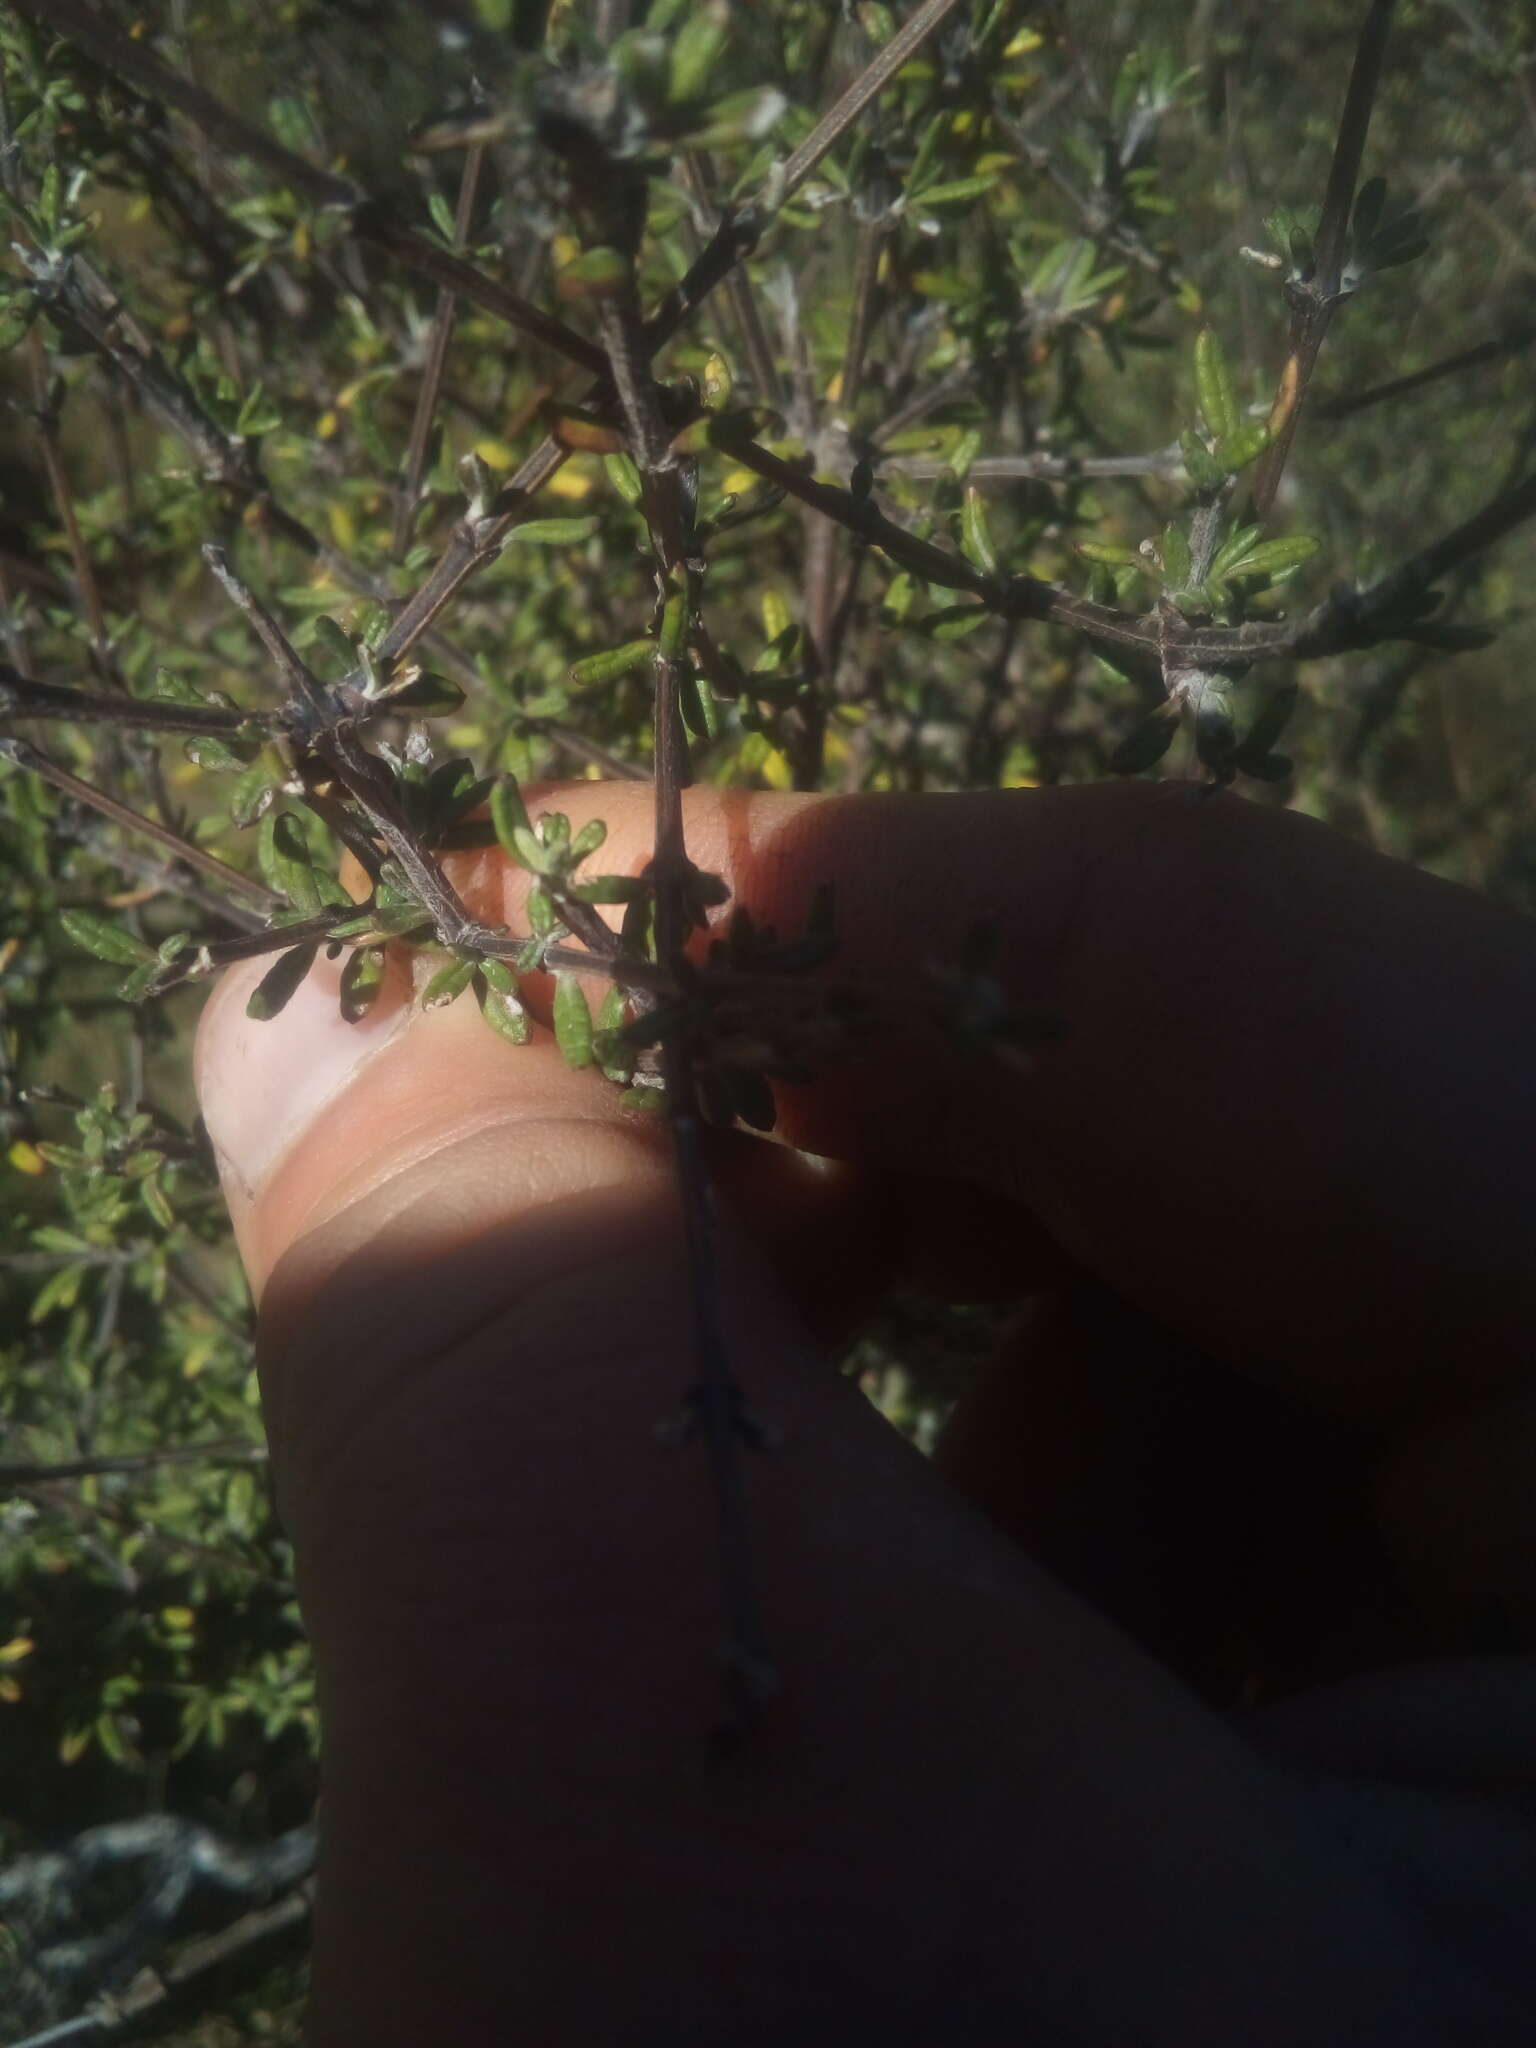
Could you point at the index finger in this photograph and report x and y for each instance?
(1292, 1112)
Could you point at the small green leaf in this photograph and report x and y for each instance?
(955, 191)
(509, 814)
(541, 913)
(1274, 557)
(59, 1290)
(280, 982)
(976, 534)
(699, 44)
(553, 533)
(700, 712)
(1176, 560)
(48, 200)
(531, 851)
(572, 1021)
(587, 840)
(624, 477)
(442, 216)
(615, 662)
(897, 601)
(499, 1004)
(637, 929)
(284, 857)
(1213, 386)
(382, 921)
(1232, 550)
(361, 980)
(1203, 470)
(498, 975)
(611, 889)
(953, 623)
(781, 650)
(170, 688)
(15, 321)
(643, 1097)
(674, 625)
(145, 980)
(152, 1195)
(1236, 450)
(556, 531)
(107, 940)
(965, 451)
(614, 1053)
(253, 795)
(449, 982)
(1103, 551)
(216, 756)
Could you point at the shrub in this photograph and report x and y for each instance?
(436, 399)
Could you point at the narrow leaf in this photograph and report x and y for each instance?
(976, 534)
(1176, 561)
(614, 662)
(1203, 470)
(611, 889)
(281, 980)
(1213, 386)
(1274, 557)
(1102, 551)
(499, 1004)
(509, 814)
(587, 840)
(108, 941)
(551, 533)
(624, 477)
(573, 1021)
(449, 982)
(361, 980)
(1235, 451)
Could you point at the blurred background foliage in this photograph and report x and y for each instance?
(1002, 269)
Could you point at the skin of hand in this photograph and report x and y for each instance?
(1273, 1192)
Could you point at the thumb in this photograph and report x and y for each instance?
(312, 1117)
(475, 1306)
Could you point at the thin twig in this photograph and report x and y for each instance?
(715, 1399)
(23, 697)
(301, 687)
(761, 366)
(1041, 467)
(832, 126)
(1346, 619)
(1314, 303)
(408, 496)
(225, 1450)
(1345, 404)
(64, 500)
(186, 851)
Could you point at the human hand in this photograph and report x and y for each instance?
(1289, 1124)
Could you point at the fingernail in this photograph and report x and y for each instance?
(261, 1085)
